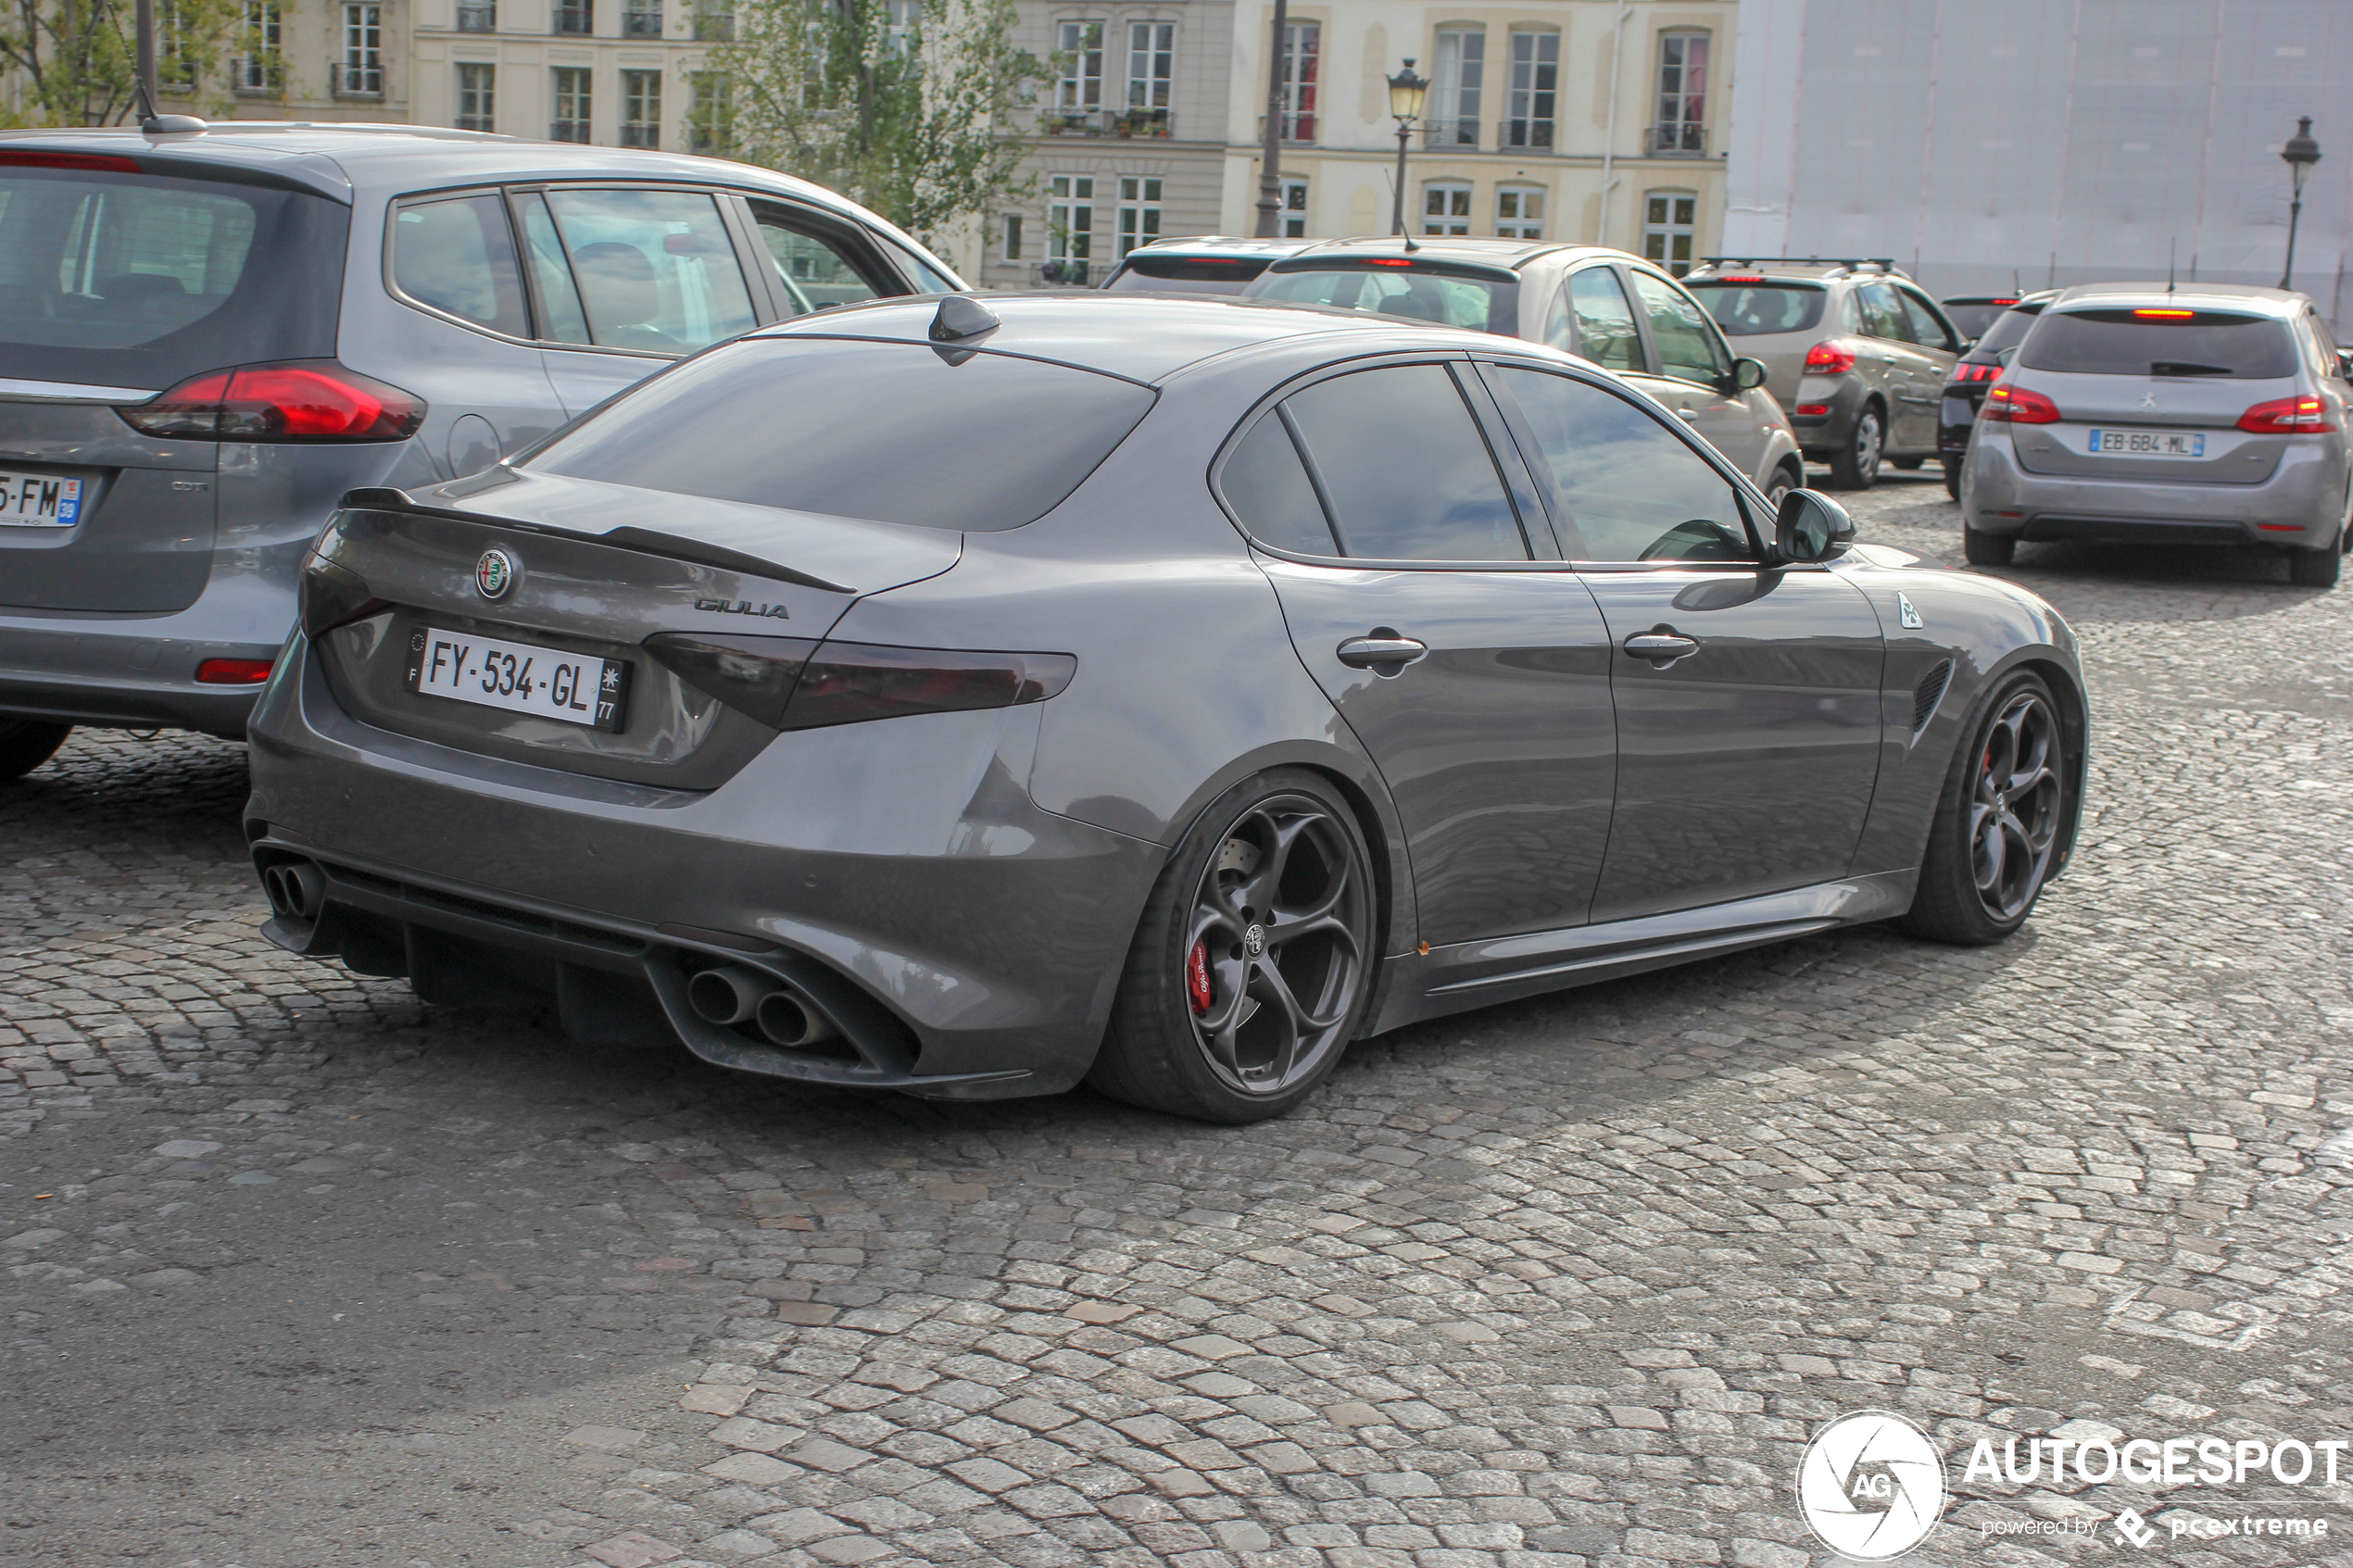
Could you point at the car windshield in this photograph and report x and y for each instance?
(129, 279)
(1971, 317)
(895, 432)
(1414, 292)
(2008, 329)
(1755, 309)
(1186, 274)
(2160, 341)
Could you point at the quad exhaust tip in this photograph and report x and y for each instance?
(296, 888)
(730, 996)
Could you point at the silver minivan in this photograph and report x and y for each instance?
(2138, 414)
(207, 337)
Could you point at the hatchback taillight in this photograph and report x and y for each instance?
(296, 400)
(1969, 375)
(334, 596)
(2290, 416)
(2018, 406)
(1829, 359)
(790, 683)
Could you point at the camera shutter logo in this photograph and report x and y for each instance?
(1871, 1486)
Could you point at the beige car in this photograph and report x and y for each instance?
(1856, 352)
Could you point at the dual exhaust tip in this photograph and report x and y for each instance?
(784, 1016)
(297, 889)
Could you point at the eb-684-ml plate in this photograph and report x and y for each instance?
(521, 677)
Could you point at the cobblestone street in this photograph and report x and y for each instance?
(298, 1273)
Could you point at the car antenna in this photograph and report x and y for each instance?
(2172, 244)
(1410, 246)
(960, 316)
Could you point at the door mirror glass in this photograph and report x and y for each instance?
(1748, 374)
(1811, 527)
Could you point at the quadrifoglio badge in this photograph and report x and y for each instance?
(1873, 1485)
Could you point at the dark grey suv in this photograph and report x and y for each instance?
(207, 338)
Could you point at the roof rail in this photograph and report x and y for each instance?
(1883, 263)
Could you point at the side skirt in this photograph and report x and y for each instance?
(1476, 974)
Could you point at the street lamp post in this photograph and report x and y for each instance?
(1270, 176)
(2300, 154)
(1406, 93)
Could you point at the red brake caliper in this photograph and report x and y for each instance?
(1197, 977)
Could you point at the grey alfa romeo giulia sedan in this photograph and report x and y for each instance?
(971, 700)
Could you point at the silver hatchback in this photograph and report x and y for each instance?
(207, 338)
(2140, 415)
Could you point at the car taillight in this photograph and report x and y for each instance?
(1968, 375)
(232, 671)
(2018, 406)
(2290, 416)
(1814, 410)
(299, 400)
(332, 595)
(1829, 359)
(794, 684)
(71, 160)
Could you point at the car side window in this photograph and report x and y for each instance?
(561, 319)
(815, 270)
(1399, 463)
(459, 257)
(1882, 316)
(1688, 348)
(1605, 331)
(1266, 484)
(1926, 328)
(656, 269)
(1630, 488)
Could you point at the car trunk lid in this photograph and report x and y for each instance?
(2130, 428)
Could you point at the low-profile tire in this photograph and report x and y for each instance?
(25, 743)
(1254, 964)
(1997, 824)
(2315, 569)
(1952, 480)
(1856, 465)
(1980, 548)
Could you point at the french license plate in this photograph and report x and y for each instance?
(39, 500)
(571, 687)
(2147, 444)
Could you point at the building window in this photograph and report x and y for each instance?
(1455, 87)
(477, 102)
(1078, 93)
(641, 108)
(360, 72)
(1446, 206)
(1303, 45)
(1294, 218)
(477, 16)
(1151, 57)
(710, 121)
(257, 68)
(571, 121)
(1682, 93)
(714, 21)
(1520, 212)
(1139, 211)
(1535, 83)
(641, 19)
(1070, 227)
(1013, 236)
(1669, 222)
(575, 16)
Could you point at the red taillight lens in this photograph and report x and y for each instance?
(794, 684)
(332, 595)
(1829, 359)
(300, 400)
(2018, 406)
(1813, 411)
(233, 672)
(69, 160)
(1741, 277)
(2290, 416)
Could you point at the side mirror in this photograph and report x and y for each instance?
(1749, 374)
(1811, 528)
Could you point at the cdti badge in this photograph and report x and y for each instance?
(494, 574)
(1871, 1486)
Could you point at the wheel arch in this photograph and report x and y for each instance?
(2075, 723)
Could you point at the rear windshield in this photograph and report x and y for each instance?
(1971, 317)
(2008, 328)
(2156, 342)
(129, 279)
(1755, 309)
(899, 432)
(1412, 294)
(1186, 274)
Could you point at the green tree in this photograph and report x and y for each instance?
(72, 60)
(911, 106)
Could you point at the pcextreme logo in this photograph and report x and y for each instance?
(1871, 1486)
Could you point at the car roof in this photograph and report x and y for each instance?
(1819, 269)
(2285, 304)
(1219, 244)
(1511, 253)
(2033, 296)
(1144, 337)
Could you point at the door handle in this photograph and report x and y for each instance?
(1384, 652)
(1662, 645)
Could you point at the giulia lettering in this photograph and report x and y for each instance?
(743, 606)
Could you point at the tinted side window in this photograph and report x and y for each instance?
(814, 270)
(1268, 488)
(561, 319)
(1630, 487)
(1925, 328)
(1883, 317)
(656, 269)
(458, 256)
(1605, 331)
(1687, 343)
(1403, 465)
(2124, 342)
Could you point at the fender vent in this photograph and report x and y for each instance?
(1927, 693)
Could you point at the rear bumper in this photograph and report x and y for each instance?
(967, 942)
(1818, 435)
(2301, 505)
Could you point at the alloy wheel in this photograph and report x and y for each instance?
(2014, 810)
(1277, 950)
(1868, 443)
